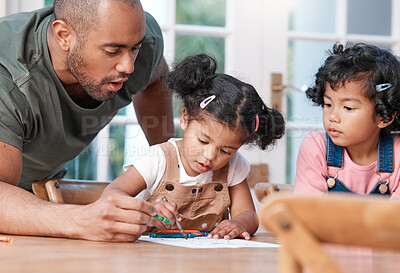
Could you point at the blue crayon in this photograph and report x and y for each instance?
(177, 235)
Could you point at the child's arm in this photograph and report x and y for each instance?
(128, 183)
(131, 183)
(244, 220)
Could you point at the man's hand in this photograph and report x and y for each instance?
(114, 218)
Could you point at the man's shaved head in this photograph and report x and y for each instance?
(81, 15)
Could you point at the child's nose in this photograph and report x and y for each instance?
(209, 153)
(334, 116)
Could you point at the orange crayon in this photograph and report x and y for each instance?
(6, 239)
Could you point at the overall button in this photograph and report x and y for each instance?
(200, 190)
(169, 187)
(194, 191)
(218, 187)
(204, 225)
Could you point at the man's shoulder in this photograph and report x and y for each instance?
(18, 24)
(153, 30)
(151, 22)
(21, 44)
(6, 81)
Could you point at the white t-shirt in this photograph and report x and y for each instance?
(152, 167)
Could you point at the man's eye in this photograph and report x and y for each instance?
(112, 53)
(202, 141)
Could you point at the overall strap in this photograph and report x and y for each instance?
(172, 164)
(221, 175)
(385, 154)
(334, 153)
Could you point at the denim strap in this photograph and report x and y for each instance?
(385, 154)
(334, 153)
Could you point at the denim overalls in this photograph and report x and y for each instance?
(334, 158)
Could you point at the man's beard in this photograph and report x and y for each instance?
(77, 66)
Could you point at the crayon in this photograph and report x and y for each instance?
(177, 231)
(6, 239)
(162, 219)
(177, 235)
(179, 226)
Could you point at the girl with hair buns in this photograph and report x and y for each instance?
(202, 175)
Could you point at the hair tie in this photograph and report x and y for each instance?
(382, 87)
(210, 77)
(206, 81)
(206, 101)
(257, 123)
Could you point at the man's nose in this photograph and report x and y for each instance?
(126, 65)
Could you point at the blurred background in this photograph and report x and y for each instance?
(274, 45)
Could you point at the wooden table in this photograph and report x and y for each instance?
(41, 254)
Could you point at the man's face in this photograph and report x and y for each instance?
(105, 59)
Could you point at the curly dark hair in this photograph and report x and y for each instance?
(236, 103)
(364, 63)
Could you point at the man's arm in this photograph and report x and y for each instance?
(153, 107)
(114, 218)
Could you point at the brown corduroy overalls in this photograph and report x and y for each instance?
(202, 207)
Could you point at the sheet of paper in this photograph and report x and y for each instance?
(203, 242)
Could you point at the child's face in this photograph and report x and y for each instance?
(348, 116)
(207, 146)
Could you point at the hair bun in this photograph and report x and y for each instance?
(192, 74)
(338, 48)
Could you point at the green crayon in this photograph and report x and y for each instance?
(162, 219)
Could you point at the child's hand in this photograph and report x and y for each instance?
(229, 229)
(167, 210)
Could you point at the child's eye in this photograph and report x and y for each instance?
(202, 141)
(348, 108)
(224, 152)
(328, 105)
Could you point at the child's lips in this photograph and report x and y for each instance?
(334, 132)
(203, 167)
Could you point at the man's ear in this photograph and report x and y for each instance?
(382, 124)
(63, 34)
(184, 119)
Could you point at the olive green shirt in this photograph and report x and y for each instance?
(36, 114)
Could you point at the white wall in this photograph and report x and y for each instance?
(13, 6)
(259, 48)
(2, 8)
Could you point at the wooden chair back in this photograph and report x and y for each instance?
(80, 192)
(303, 222)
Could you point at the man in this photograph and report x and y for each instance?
(63, 77)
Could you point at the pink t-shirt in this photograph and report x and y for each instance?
(312, 169)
